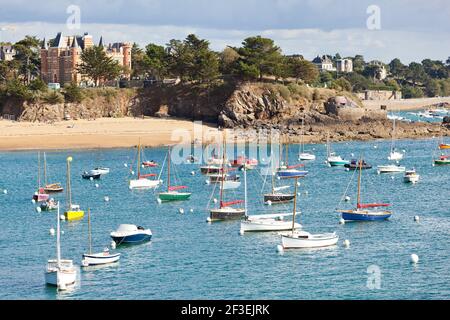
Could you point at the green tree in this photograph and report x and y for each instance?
(73, 93)
(342, 84)
(205, 63)
(397, 68)
(96, 65)
(409, 92)
(326, 77)
(138, 63)
(228, 60)
(433, 88)
(37, 85)
(261, 53)
(303, 69)
(156, 60)
(27, 54)
(416, 73)
(359, 83)
(358, 63)
(435, 69)
(179, 59)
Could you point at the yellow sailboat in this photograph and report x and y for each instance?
(73, 211)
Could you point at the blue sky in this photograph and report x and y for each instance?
(410, 29)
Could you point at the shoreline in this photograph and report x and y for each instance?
(114, 133)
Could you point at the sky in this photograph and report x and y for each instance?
(411, 30)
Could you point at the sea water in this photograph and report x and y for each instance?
(189, 258)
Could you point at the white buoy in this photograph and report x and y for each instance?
(341, 221)
(62, 217)
(96, 185)
(378, 172)
(298, 184)
(62, 231)
(346, 243)
(306, 192)
(241, 232)
(347, 169)
(192, 173)
(325, 162)
(269, 203)
(191, 211)
(414, 258)
(129, 187)
(5, 191)
(38, 209)
(181, 210)
(113, 245)
(159, 200)
(52, 231)
(375, 147)
(92, 179)
(132, 172)
(206, 181)
(392, 177)
(208, 220)
(142, 166)
(280, 249)
(125, 165)
(347, 198)
(299, 194)
(279, 178)
(215, 200)
(404, 151)
(352, 155)
(416, 218)
(33, 201)
(106, 198)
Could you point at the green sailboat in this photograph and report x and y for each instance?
(172, 193)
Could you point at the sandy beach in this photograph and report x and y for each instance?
(101, 133)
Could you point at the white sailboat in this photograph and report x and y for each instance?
(303, 155)
(333, 159)
(302, 239)
(142, 181)
(264, 222)
(91, 259)
(394, 155)
(59, 272)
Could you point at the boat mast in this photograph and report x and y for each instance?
(45, 170)
(393, 136)
(358, 201)
(302, 142)
(223, 169)
(245, 189)
(69, 188)
(39, 170)
(295, 205)
(139, 159)
(89, 230)
(58, 244)
(168, 170)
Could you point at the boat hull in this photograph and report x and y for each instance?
(41, 197)
(442, 162)
(174, 196)
(284, 174)
(60, 278)
(89, 176)
(278, 198)
(74, 215)
(411, 179)
(53, 188)
(365, 216)
(226, 214)
(390, 169)
(99, 258)
(143, 184)
(318, 241)
(132, 239)
(306, 157)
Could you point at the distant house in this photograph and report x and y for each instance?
(324, 63)
(344, 65)
(7, 53)
(60, 57)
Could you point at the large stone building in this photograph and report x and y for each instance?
(61, 56)
(7, 52)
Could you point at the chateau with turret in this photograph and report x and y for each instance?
(61, 56)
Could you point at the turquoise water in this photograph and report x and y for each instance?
(191, 259)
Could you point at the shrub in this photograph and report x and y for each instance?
(38, 85)
(73, 93)
(52, 97)
(409, 92)
(284, 92)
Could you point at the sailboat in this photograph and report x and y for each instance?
(59, 272)
(50, 187)
(394, 155)
(287, 171)
(40, 194)
(300, 239)
(142, 182)
(264, 222)
(172, 193)
(225, 211)
(303, 155)
(361, 212)
(73, 210)
(91, 259)
(277, 196)
(333, 159)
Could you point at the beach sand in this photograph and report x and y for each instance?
(101, 133)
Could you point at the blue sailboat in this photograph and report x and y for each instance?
(362, 212)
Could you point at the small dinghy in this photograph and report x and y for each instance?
(130, 233)
(49, 205)
(93, 259)
(210, 169)
(390, 168)
(411, 176)
(149, 164)
(301, 239)
(99, 170)
(53, 188)
(442, 160)
(40, 195)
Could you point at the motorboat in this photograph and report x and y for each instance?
(354, 165)
(411, 176)
(390, 168)
(130, 233)
(90, 175)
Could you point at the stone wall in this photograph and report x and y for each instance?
(380, 95)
